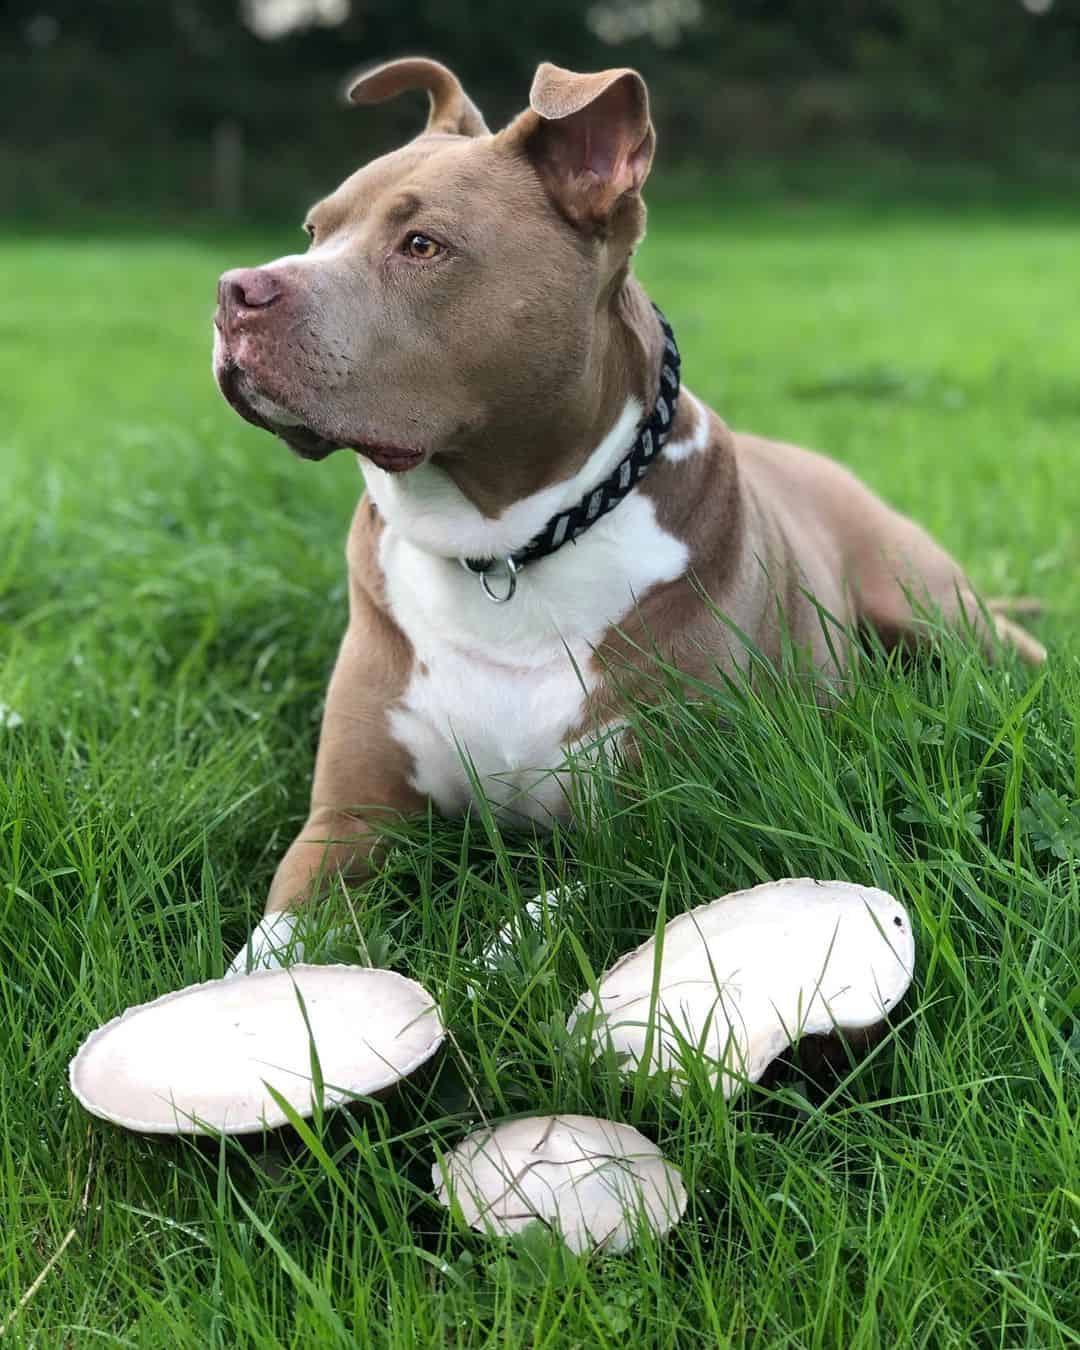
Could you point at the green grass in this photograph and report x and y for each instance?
(171, 593)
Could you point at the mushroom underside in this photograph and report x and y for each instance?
(735, 982)
(210, 1058)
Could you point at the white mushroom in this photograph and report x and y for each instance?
(742, 978)
(592, 1180)
(203, 1059)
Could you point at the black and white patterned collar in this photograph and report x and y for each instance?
(568, 525)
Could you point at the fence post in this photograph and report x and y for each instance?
(228, 152)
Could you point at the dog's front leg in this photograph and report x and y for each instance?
(331, 845)
(362, 778)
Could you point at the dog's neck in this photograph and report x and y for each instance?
(494, 500)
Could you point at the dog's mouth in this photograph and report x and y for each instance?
(303, 440)
(389, 458)
(244, 399)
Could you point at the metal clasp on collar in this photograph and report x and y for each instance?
(511, 581)
(505, 567)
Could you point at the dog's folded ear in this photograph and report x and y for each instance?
(589, 137)
(452, 111)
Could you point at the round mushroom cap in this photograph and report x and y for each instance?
(743, 977)
(203, 1059)
(593, 1180)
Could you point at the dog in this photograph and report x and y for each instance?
(545, 503)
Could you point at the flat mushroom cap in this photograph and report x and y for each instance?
(199, 1060)
(745, 976)
(593, 1180)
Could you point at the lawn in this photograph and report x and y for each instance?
(171, 594)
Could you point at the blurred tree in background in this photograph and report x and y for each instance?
(162, 104)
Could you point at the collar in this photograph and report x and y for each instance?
(567, 526)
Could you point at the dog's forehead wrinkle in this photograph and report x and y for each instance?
(414, 161)
(407, 202)
(462, 178)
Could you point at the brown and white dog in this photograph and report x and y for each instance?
(466, 320)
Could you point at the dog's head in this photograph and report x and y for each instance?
(452, 289)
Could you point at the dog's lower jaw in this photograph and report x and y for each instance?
(307, 444)
(303, 440)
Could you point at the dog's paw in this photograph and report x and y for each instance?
(273, 945)
(526, 924)
(524, 928)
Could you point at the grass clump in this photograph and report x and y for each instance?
(171, 594)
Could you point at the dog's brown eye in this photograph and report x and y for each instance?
(420, 246)
(309, 229)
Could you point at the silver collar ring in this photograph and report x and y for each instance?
(511, 581)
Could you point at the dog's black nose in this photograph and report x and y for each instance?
(248, 288)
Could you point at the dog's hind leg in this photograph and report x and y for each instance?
(899, 576)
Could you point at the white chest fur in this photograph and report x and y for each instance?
(497, 690)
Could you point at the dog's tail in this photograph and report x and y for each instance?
(1001, 611)
(1026, 606)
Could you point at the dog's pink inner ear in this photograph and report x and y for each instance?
(451, 111)
(593, 142)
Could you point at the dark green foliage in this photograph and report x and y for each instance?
(120, 107)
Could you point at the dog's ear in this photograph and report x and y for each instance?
(589, 137)
(451, 108)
